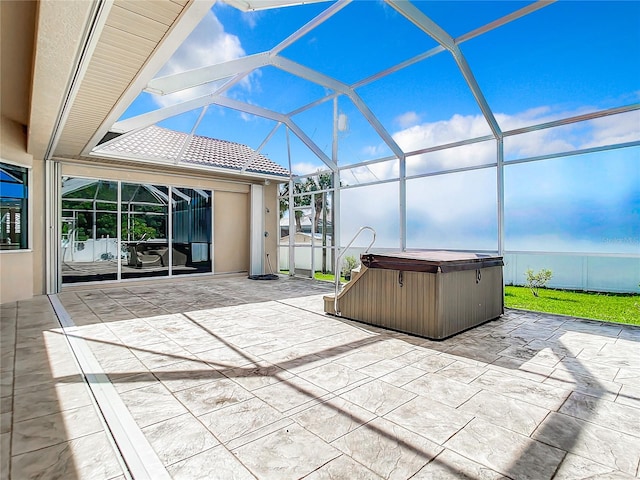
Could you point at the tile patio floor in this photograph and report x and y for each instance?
(229, 378)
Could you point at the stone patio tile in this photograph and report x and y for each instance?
(588, 440)
(253, 377)
(126, 363)
(123, 382)
(88, 457)
(136, 333)
(295, 360)
(152, 404)
(216, 462)
(270, 346)
(290, 393)
(187, 374)
(179, 438)
(607, 414)
(441, 389)
(5, 458)
(158, 355)
(390, 348)
(37, 401)
(462, 371)
(630, 333)
(402, 376)
(48, 430)
(628, 376)
(378, 397)
(528, 370)
(587, 368)
(391, 451)
(545, 396)
(342, 468)
(476, 352)
(333, 418)
(379, 369)
(573, 467)
(505, 451)
(433, 363)
(584, 384)
(360, 359)
(530, 354)
(433, 420)
(332, 376)
(240, 419)
(451, 466)
(516, 415)
(288, 453)
(615, 355)
(629, 396)
(212, 396)
(576, 341)
(226, 357)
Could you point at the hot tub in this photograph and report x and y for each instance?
(432, 294)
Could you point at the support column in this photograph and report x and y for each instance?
(500, 185)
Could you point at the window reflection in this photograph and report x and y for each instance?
(191, 245)
(92, 246)
(145, 215)
(89, 231)
(13, 207)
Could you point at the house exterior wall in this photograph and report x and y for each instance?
(230, 202)
(22, 273)
(20, 270)
(230, 232)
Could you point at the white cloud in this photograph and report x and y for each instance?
(304, 168)
(407, 119)
(614, 129)
(208, 44)
(460, 210)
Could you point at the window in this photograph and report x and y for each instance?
(13, 207)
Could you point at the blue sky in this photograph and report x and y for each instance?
(569, 58)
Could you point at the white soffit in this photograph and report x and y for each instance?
(137, 39)
(55, 58)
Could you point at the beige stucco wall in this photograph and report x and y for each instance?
(230, 232)
(16, 267)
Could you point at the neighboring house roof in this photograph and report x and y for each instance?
(161, 143)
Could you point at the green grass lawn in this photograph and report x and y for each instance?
(610, 307)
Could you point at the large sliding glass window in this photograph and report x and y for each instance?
(14, 196)
(145, 223)
(191, 245)
(163, 230)
(89, 247)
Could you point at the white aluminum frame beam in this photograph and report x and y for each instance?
(204, 75)
(424, 23)
(318, 20)
(328, 82)
(278, 117)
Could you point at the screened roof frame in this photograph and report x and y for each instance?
(235, 70)
(224, 76)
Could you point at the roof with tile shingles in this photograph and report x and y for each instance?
(161, 143)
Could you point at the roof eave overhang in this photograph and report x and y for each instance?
(227, 172)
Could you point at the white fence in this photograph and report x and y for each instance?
(599, 273)
(98, 250)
